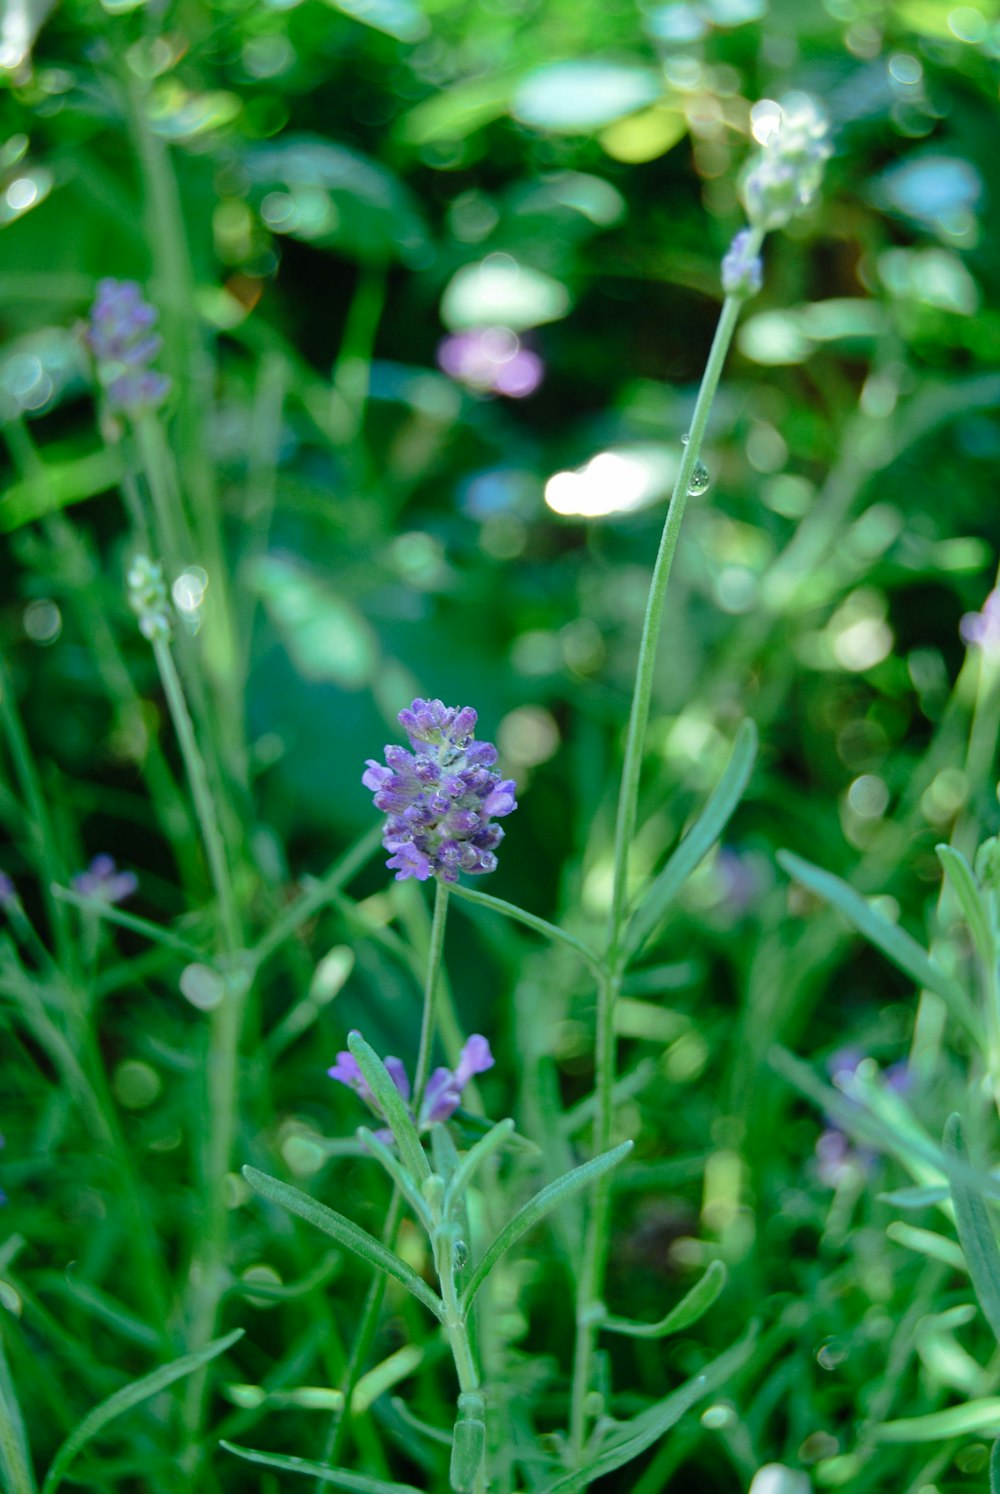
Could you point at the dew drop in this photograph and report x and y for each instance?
(699, 480)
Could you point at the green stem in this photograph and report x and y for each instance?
(317, 896)
(208, 820)
(590, 1282)
(428, 1024)
(531, 921)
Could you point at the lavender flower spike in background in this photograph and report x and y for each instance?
(124, 346)
(103, 879)
(440, 798)
(444, 1088)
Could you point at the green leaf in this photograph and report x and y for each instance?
(392, 1106)
(628, 1439)
(536, 1208)
(963, 883)
(15, 1462)
(334, 197)
(975, 1232)
(402, 1179)
(915, 1198)
(688, 1310)
(357, 1483)
(350, 1235)
(938, 1426)
(131, 1395)
(326, 636)
(574, 98)
(61, 484)
(399, 18)
(927, 1242)
(894, 942)
(995, 1468)
(474, 1158)
(698, 841)
(530, 921)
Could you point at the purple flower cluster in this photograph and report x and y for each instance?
(441, 797)
(123, 342)
(443, 1093)
(103, 879)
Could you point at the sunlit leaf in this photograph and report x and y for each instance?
(499, 291)
(574, 98)
(326, 636)
(399, 18)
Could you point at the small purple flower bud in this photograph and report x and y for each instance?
(475, 1058)
(441, 1097)
(8, 892)
(103, 880)
(398, 1075)
(742, 273)
(983, 628)
(346, 1071)
(442, 1094)
(440, 798)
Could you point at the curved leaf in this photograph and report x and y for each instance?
(975, 1232)
(356, 1483)
(687, 1311)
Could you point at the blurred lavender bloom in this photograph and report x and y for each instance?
(103, 880)
(491, 360)
(124, 345)
(8, 892)
(742, 273)
(785, 174)
(443, 1093)
(983, 628)
(441, 798)
(838, 1158)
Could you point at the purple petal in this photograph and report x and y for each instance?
(475, 1058)
(441, 1097)
(398, 1075)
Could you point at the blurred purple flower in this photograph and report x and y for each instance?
(491, 360)
(103, 879)
(838, 1157)
(124, 345)
(443, 1093)
(983, 627)
(742, 273)
(8, 892)
(440, 799)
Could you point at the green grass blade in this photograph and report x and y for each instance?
(393, 1107)
(689, 1309)
(131, 1395)
(702, 836)
(341, 1478)
(938, 1426)
(474, 1159)
(400, 1176)
(627, 1440)
(975, 1232)
(530, 921)
(995, 1468)
(346, 1233)
(966, 889)
(894, 942)
(536, 1208)
(15, 1461)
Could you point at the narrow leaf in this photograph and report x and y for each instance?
(474, 1159)
(698, 841)
(894, 942)
(402, 1179)
(938, 1426)
(627, 1440)
(129, 1396)
(15, 1463)
(530, 921)
(688, 1310)
(536, 1208)
(975, 1232)
(914, 1198)
(346, 1233)
(964, 885)
(392, 1105)
(927, 1242)
(995, 1468)
(357, 1483)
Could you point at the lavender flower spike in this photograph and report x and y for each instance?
(742, 273)
(124, 345)
(440, 798)
(443, 1094)
(786, 172)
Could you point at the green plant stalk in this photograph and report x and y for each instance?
(222, 1098)
(429, 1019)
(590, 1281)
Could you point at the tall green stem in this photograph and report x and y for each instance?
(590, 1282)
(428, 1024)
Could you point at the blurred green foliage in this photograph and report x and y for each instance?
(362, 186)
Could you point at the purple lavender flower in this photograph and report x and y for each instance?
(983, 628)
(103, 879)
(443, 1093)
(440, 799)
(124, 345)
(742, 273)
(8, 892)
(491, 360)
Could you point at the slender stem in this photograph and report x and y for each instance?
(428, 1022)
(316, 897)
(208, 819)
(590, 1282)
